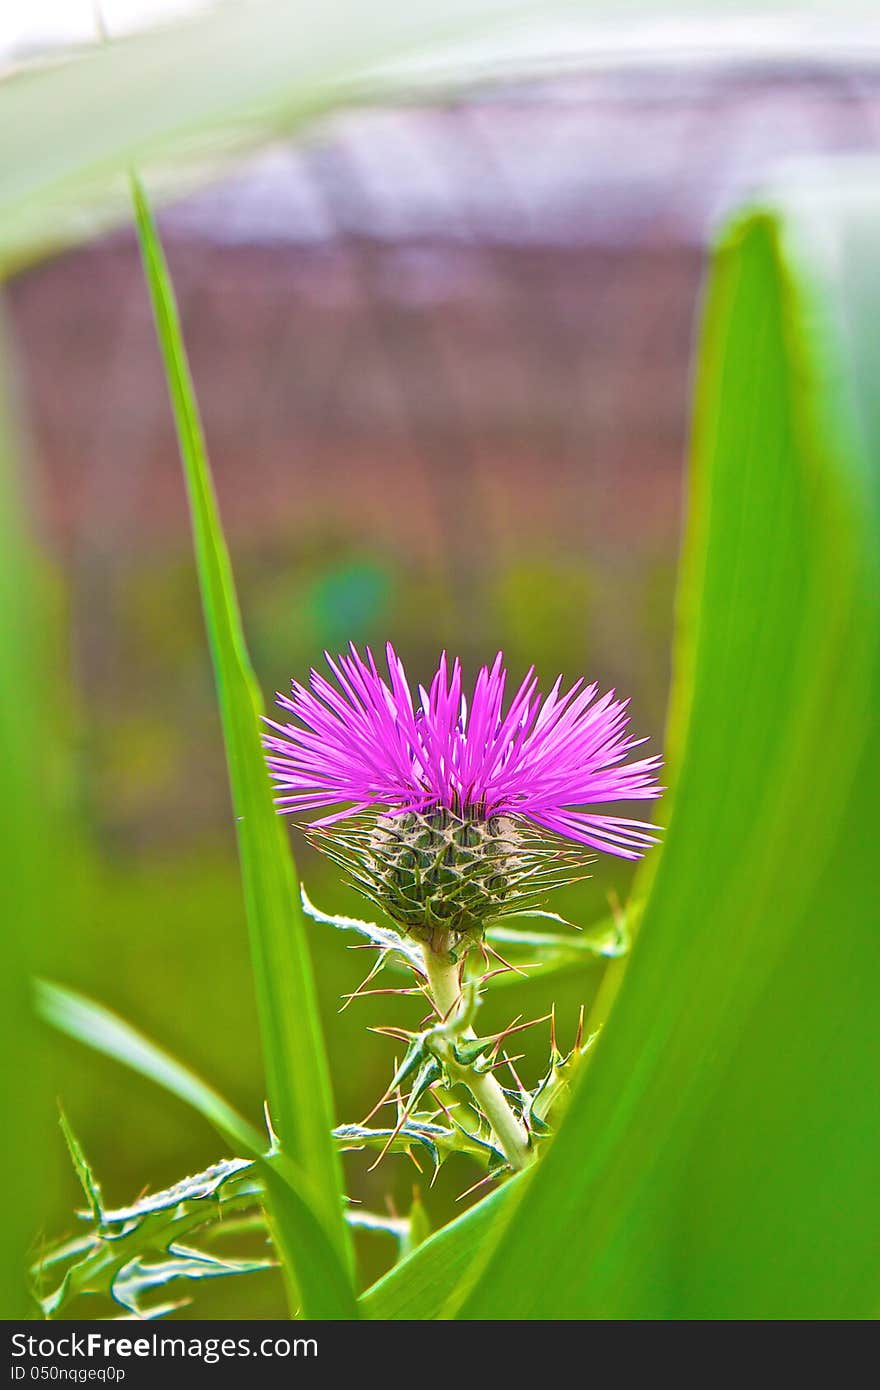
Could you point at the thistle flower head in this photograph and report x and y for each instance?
(450, 809)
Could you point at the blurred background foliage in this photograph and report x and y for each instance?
(442, 353)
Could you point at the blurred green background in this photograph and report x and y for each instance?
(442, 356)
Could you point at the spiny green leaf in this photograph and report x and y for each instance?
(438, 1140)
(158, 1310)
(140, 1277)
(413, 1059)
(406, 951)
(106, 1032)
(430, 1072)
(192, 1189)
(30, 847)
(297, 1224)
(88, 1182)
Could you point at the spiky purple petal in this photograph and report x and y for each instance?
(365, 742)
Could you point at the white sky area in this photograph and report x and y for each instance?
(27, 24)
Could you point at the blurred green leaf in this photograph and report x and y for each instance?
(419, 1285)
(183, 98)
(719, 1159)
(297, 1076)
(140, 1277)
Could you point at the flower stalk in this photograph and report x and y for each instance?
(444, 984)
(452, 812)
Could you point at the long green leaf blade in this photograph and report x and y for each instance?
(720, 1157)
(418, 1286)
(297, 1076)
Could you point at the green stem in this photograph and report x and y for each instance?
(445, 987)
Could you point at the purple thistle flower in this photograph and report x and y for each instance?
(366, 744)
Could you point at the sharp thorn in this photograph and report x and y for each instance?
(476, 1186)
(399, 1034)
(506, 963)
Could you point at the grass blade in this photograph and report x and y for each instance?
(297, 1077)
(417, 1287)
(181, 99)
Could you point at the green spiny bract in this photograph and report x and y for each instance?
(437, 873)
(443, 876)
